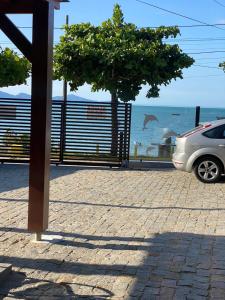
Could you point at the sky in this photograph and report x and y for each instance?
(203, 83)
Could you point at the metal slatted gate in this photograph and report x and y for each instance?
(81, 132)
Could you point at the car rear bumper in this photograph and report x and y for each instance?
(179, 161)
(178, 165)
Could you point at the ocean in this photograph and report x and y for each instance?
(152, 127)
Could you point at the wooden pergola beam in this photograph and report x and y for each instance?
(16, 36)
(40, 53)
(16, 7)
(43, 27)
(23, 6)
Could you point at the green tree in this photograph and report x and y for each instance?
(14, 69)
(120, 58)
(24, 140)
(20, 143)
(9, 138)
(222, 65)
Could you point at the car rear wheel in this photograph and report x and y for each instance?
(208, 170)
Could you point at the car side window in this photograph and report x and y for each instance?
(216, 133)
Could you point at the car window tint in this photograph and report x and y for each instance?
(216, 133)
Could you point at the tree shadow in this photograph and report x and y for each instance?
(35, 289)
(174, 266)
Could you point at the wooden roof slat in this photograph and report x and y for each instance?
(17, 7)
(22, 6)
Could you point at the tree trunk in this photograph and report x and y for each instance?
(114, 146)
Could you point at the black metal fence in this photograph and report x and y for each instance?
(81, 132)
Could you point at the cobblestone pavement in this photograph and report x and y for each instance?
(116, 234)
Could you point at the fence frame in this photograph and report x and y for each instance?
(74, 114)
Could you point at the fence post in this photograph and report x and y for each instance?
(63, 115)
(97, 149)
(121, 147)
(62, 132)
(136, 151)
(197, 115)
(125, 156)
(129, 133)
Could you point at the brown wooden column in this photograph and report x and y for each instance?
(43, 22)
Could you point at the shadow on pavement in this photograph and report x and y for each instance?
(15, 176)
(120, 206)
(175, 266)
(35, 289)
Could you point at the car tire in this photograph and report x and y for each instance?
(208, 170)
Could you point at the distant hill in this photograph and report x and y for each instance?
(6, 95)
(71, 97)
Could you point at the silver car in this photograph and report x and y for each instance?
(202, 150)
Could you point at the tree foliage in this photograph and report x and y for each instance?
(14, 70)
(222, 65)
(20, 142)
(119, 57)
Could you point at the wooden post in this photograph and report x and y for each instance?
(197, 115)
(40, 54)
(63, 116)
(43, 26)
(65, 84)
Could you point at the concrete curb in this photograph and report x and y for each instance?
(151, 165)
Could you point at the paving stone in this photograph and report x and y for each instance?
(167, 292)
(151, 291)
(217, 293)
(169, 283)
(187, 282)
(200, 285)
(199, 292)
(218, 284)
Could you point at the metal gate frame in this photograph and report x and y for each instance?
(81, 132)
